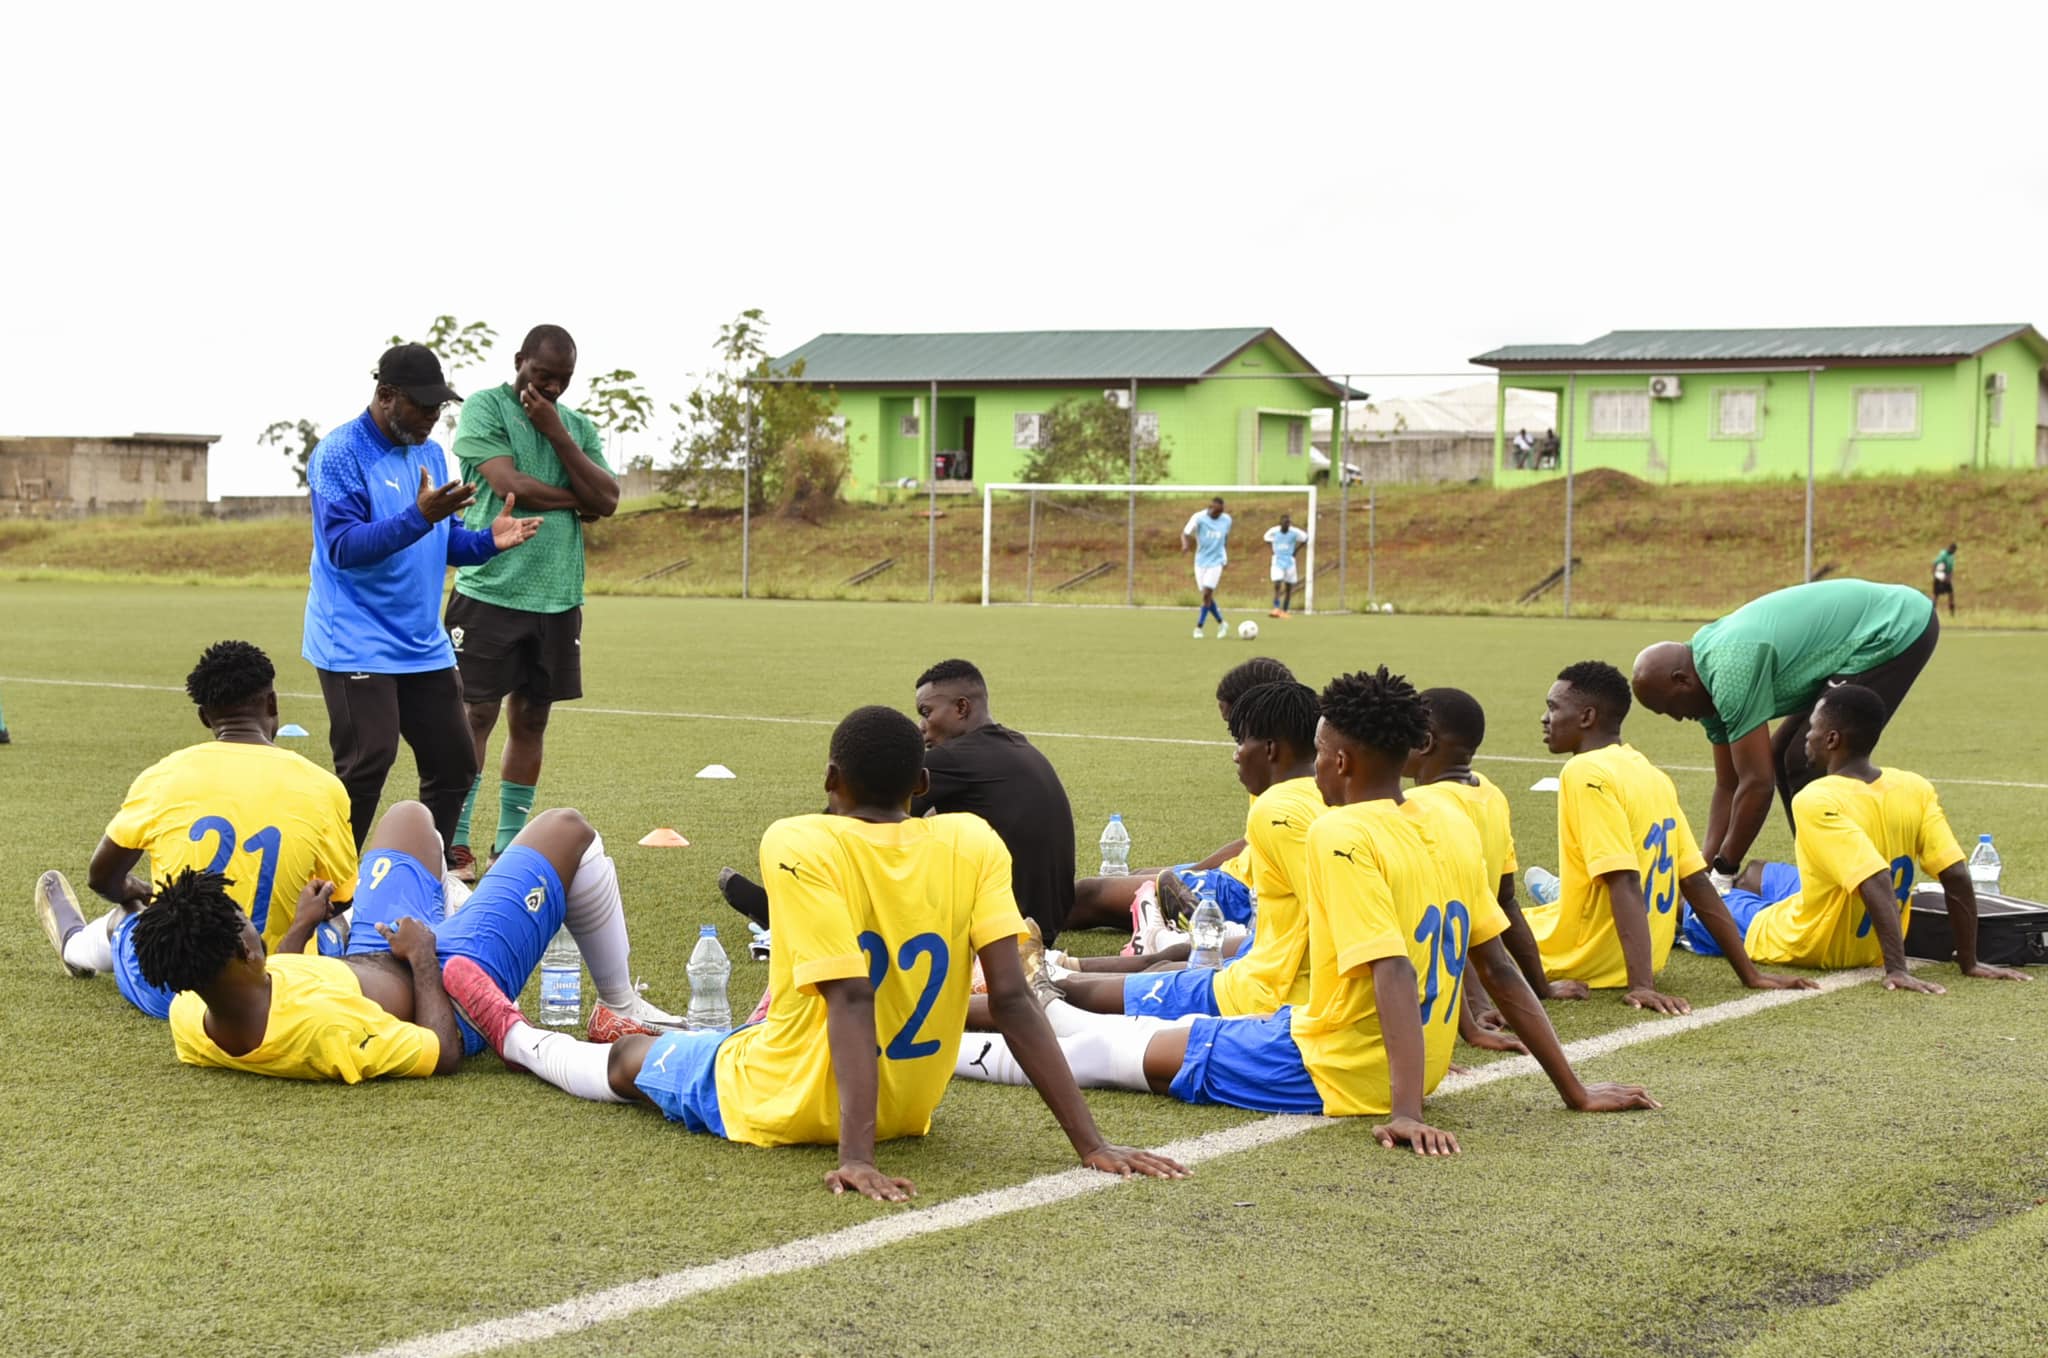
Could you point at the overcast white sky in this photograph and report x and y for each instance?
(217, 214)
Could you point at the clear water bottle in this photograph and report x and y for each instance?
(1544, 888)
(1205, 931)
(1984, 866)
(710, 969)
(561, 982)
(1116, 849)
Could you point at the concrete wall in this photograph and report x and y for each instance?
(1425, 460)
(69, 476)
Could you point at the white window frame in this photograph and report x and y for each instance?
(1595, 400)
(1756, 429)
(1889, 429)
(907, 427)
(1148, 428)
(1297, 439)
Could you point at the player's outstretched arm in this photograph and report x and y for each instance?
(1745, 781)
(112, 875)
(315, 908)
(1479, 1035)
(1962, 923)
(1022, 1023)
(413, 944)
(1713, 912)
(1882, 908)
(1632, 925)
(1393, 985)
(850, 1030)
(1518, 1004)
(1522, 946)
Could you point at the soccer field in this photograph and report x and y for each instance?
(1839, 1174)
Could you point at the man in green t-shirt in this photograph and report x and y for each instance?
(1945, 577)
(516, 621)
(1772, 658)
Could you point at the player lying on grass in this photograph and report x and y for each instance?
(1625, 855)
(1106, 902)
(1860, 830)
(1398, 904)
(1442, 768)
(264, 819)
(876, 912)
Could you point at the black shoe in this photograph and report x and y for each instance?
(5, 739)
(749, 898)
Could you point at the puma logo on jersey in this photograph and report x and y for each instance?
(789, 869)
(1345, 854)
(1281, 822)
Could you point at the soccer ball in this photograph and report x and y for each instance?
(1386, 608)
(1247, 630)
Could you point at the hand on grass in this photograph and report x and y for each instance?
(1124, 1162)
(1900, 980)
(1613, 1098)
(1569, 990)
(1984, 971)
(508, 532)
(1643, 997)
(870, 1182)
(1766, 981)
(1426, 1140)
(1487, 1040)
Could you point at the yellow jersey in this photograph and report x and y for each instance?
(1487, 806)
(1847, 832)
(321, 1028)
(1240, 865)
(1615, 811)
(1387, 880)
(906, 905)
(267, 817)
(1275, 971)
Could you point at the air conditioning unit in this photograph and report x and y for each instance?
(1120, 397)
(1664, 388)
(1995, 384)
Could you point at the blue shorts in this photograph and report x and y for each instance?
(504, 927)
(1233, 896)
(1246, 1063)
(1781, 880)
(680, 1074)
(1171, 994)
(152, 1000)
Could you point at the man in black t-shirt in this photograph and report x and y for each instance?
(978, 765)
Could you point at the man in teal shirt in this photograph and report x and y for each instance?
(1945, 577)
(516, 621)
(1772, 658)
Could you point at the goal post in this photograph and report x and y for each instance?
(988, 493)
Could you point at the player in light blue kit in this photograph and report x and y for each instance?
(1284, 540)
(1208, 531)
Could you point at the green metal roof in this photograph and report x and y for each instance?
(1882, 343)
(1106, 356)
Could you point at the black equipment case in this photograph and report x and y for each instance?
(2010, 932)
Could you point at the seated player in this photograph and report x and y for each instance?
(1626, 854)
(1390, 935)
(1107, 902)
(876, 912)
(1860, 830)
(263, 818)
(1442, 768)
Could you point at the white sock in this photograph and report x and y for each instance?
(596, 917)
(93, 946)
(580, 1068)
(1070, 1020)
(986, 1056)
(1107, 1059)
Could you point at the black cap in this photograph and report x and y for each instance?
(415, 370)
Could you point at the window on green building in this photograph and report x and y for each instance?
(1294, 438)
(1027, 428)
(1148, 429)
(1738, 413)
(1890, 411)
(1620, 414)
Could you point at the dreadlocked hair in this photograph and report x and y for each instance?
(1380, 710)
(191, 929)
(229, 675)
(1260, 669)
(1284, 713)
(1604, 684)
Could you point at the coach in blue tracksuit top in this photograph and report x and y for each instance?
(383, 538)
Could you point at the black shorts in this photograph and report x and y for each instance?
(539, 656)
(1944, 584)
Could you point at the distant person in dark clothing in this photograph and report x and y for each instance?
(1547, 450)
(1945, 577)
(979, 765)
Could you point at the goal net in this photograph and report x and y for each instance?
(1049, 542)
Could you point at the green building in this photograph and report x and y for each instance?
(1724, 405)
(1231, 405)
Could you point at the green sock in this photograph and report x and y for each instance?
(468, 805)
(515, 804)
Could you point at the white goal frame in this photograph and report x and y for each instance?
(1308, 564)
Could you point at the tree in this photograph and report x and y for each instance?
(297, 440)
(1086, 439)
(744, 423)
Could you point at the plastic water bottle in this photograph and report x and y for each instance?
(561, 982)
(1116, 849)
(1205, 931)
(1544, 888)
(710, 969)
(1984, 866)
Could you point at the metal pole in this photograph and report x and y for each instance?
(746, 492)
(988, 508)
(1131, 510)
(1031, 549)
(1343, 494)
(1308, 560)
(1812, 380)
(1571, 437)
(1372, 531)
(931, 499)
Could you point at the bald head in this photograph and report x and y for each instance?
(1666, 682)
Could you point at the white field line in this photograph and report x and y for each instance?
(644, 712)
(616, 1303)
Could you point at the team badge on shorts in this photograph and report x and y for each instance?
(535, 899)
(455, 637)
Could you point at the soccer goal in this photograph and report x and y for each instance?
(1046, 499)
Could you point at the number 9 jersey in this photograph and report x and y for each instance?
(906, 905)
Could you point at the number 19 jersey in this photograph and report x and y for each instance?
(905, 904)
